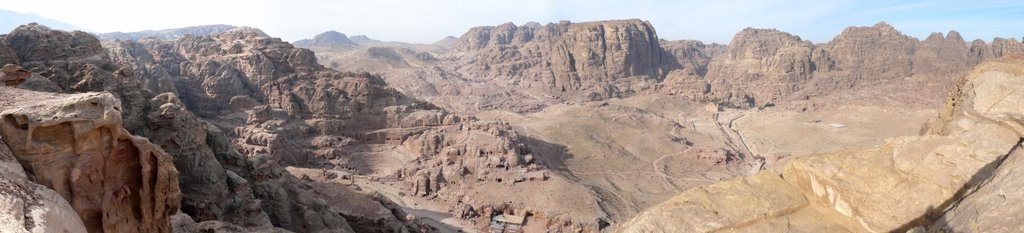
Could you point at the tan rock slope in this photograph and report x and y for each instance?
(76, 146)
(965, 161)
(222, 189)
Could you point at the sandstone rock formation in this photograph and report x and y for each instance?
(28, 206)
(576, 61)
(76, 145)
(762, 66)
(326, 39)
(879, 52)
(962, 162)
(257, 189)
(12, 75)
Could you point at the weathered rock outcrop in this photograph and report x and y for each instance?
(941, 57)
(12, 75)
(76, 145)
(864, 54)
(255, 189)
(945, 177)
(280, 107)
(692, 55)
(26, 206)
(763, 66)
(578, 61)
(326, 39)
(7, 55)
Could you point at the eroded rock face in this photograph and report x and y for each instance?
(30, 207)
(33, 42)
(76, 145)
(956, 177)
(12, 75)
(762, 66)
(581, 61)
(872, 53)
(7, 55)
(692, 55)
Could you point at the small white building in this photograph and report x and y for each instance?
(506, 223)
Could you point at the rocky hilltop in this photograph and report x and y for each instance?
(578, 61)
(946, 179)
(329, 38)
(72, 167)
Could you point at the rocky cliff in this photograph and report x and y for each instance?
(76, 146)
(579, 61)
(926, 181)
(762, 66)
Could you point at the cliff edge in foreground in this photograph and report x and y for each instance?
(960, 175)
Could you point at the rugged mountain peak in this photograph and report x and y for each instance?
(363, 39)
(872, 53)
(242, 33)
(754, 43)
(34, 42)
(882, 25)
(954, 35)
(879, 30)
(328, 38)
(490, 36)
(447, 41)
(580, 61)
(761, 66)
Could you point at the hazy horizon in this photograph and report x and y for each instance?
(427, 22)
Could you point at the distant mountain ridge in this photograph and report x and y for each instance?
(168, 34)
(328, 38)
(10, 20)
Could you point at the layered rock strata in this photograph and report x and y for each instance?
(76, 146)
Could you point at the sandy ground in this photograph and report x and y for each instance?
(779, 135)
(633, 153)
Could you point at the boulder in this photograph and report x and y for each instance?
(76, 145)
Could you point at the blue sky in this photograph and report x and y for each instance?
(430, 20)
